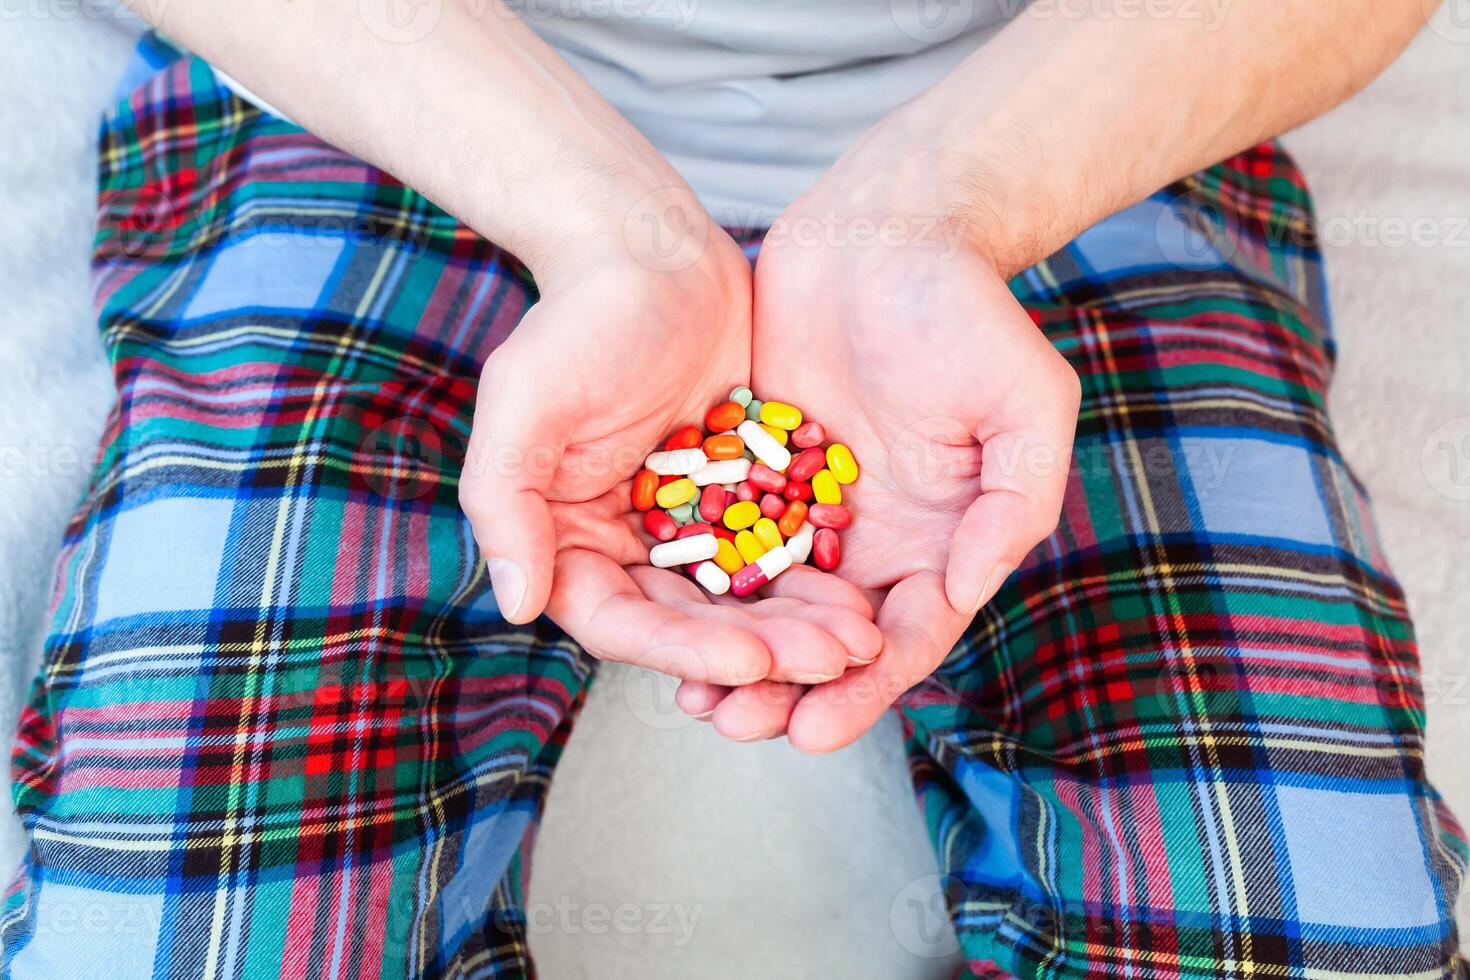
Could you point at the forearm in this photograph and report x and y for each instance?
(479, 114)
(1062, 120)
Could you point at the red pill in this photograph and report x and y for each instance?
(712, 502)
(686, 438)
(724, 447)
(797, 490)
(664, 481)
(829, 515)
(690, 530)
(792, 520)
(745, 490)
(773, 506)
(724, 417)
(766, 478)
(806, 465)
(645, 485)
(807, 435)
(721, 531)
(826, 550)
(659, 524)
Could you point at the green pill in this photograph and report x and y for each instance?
(753, 409)
(684, 513)
(742, 396)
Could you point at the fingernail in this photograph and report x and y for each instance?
(757, 737)
(508, 584)
(855, 662)
(813, 678)
(985, 590)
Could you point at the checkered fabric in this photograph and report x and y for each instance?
(281, 729)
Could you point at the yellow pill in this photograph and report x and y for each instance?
(780, 435)
(780, 415)
(840, 461)
(749, 546)
(741, 514)
(671, 495)
(768, 534)
(824, 488)
(728, 558)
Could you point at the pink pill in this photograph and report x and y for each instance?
(826, 550)
(745, 490)
(807, 435)
(766, 478)
(690, 530)
(773, 506)
(829, 515)
(806, 464)
(761, 571)
(712, 502)
(660, 525)
(797, 490)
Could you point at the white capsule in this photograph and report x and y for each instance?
(712, 577)
(800, 543)
(720, 471)
(677, 462)
(764, 445)
(775, 561)
(684, 551)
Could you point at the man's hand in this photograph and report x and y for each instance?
(913, 352)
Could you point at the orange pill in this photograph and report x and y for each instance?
(686, 438)
(645, 486)
(791, 521)
(724, 447)
(724, 417)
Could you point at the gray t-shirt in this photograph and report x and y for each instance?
(751, 100)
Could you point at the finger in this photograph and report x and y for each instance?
(859, 636)
(606, 610)
(699, 700)
(1023, 477)
(757, 711)
(820, 588)
(919, 629)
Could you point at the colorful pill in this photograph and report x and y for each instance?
(723, 447)
(676, 493)
(721, 471)
(714, 579)
(645, 486)
(724, 416)
(684, 551)
(826, 549)
(745, 490)
(773, 506)
(748, 546)
(824, 488)
(797, 490)
(780, 435)
(742, 514)
(840, 462)
(753, 410)
(724, 533)
(805, 464)
(686, 438)
(800, 543)
(659, 525)
(727, 557)
(742, 395)
(764, 478)
(764, 445)
(781, 415)
(690, 530)
(830, 515)
(759, 572)
(682, 514)
(668, 478)
(790, 522)
(712, 502)
(767, 534)
(808, 435)
(677, 462)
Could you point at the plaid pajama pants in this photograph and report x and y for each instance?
(282, 730)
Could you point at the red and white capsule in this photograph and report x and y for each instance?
(760, 571)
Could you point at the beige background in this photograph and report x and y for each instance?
(737, 861)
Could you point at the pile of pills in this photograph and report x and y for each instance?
(742, 500)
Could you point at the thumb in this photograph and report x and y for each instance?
(515, 446)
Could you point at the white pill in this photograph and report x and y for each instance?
(712, 577)
(800, 543)
(683, 551)
(764, 445)
(677, 462)
(721, 471)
